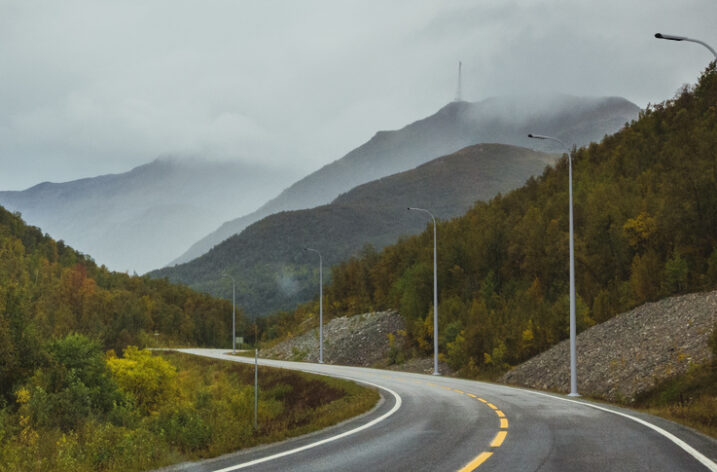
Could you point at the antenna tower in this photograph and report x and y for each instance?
(459, 91)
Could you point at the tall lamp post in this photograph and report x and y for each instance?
(234, 312)
(435, 294)
(573, 355)
(672, 37)
(321, 304)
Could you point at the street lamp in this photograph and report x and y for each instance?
(573, 355)
(321, 304)
(234, 312)
(672, 37)
(435, 294)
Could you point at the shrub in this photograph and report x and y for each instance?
(150, 380)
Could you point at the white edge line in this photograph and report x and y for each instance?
(704, 460)
(327, 440)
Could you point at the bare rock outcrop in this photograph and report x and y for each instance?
(360, 340)
(629, 353)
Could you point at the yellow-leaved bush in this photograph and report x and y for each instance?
(150, 380)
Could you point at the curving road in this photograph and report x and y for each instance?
(444, 424)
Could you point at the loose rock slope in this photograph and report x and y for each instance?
(629, 353)
(360, 340)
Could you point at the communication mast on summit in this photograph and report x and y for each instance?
(459, 91)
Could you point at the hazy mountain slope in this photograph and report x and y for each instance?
(138, 220)
(504, 120)
(272, 270)
(645, 213)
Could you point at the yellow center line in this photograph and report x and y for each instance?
(499, 438)
(476, 462)
(492, 406)
(500, 414)
(481, 400)
(504, 423)
(458, 391)
(471, 395)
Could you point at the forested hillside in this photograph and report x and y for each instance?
(48, 290)
(645, 223)
(267, 259)
(505, 120)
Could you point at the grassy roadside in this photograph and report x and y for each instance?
(167, 408)
(689, 399)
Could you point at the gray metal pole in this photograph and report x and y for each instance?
(573, 333)
(321, 304)
(435, 292)
(435, 301)
(256, 387)
(234, 317)
(672, 37)
(321, 309)
(234, 312)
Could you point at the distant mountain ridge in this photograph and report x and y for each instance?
(273, 272)
(137, 220)
(575, 120)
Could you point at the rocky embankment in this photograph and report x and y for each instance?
(360, 340)
(629, 353)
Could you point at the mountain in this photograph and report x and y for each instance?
(139, 220)
(272, 270)
(575, 120)
(645, 214)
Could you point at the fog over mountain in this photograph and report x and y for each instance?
(506, 120)
(267, 259)
(137, 220)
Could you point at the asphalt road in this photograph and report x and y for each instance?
(435, 423)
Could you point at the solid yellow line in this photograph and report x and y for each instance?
(492, 406)
(500, 413)
(499, 438)
(504, 422)
(481, 458)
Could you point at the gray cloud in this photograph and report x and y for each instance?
(90, 87)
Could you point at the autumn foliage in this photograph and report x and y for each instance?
(645, 202)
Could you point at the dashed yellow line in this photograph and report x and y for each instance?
(498, 439)
(482, 457)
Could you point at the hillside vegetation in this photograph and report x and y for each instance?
(86, 411)
(48, 290)
(646, 228)
(267, 259)
(505, 120)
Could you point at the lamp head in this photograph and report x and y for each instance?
(670, 37)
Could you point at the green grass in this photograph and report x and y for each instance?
(689, 399)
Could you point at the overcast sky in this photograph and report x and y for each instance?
(89, 87)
